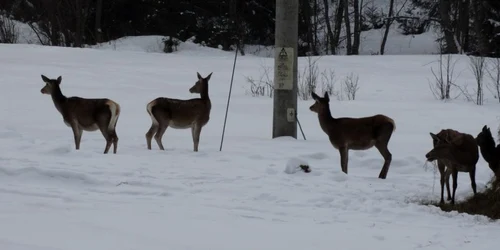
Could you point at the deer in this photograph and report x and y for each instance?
(348, 133)
(489, 151)
(180, 114)
(455, 152)
(83, 114)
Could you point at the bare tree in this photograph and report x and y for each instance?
(494, 75)
(477, 65)
(445, 77)
(351, 86)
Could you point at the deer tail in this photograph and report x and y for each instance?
(390, 120)
(115, 113)
(149, 108)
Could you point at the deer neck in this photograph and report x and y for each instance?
(326, 119)
(488, 152)
(58, 98)
(204, 93)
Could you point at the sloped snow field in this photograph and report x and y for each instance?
(54, 197)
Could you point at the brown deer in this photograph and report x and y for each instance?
(85, 114)
(489, 151)
(355, 133)
(180, 114)
(455, 152)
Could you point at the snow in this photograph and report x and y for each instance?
(54, 197)
(293, 165)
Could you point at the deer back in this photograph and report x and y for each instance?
(363, 131)
(86, 111)
(184, 111)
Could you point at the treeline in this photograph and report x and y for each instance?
(325, 26)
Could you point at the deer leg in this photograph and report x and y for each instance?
(447, 179)
(114, 140)
(195, 131)
(159, 134)
(149, 135)
(442, 174)
(472, 175)
(454, 174)
(344, 158)
(384, 151)
(77, 134)
(103, 127)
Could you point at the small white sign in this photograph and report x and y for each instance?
(290, 115)
(283, 68)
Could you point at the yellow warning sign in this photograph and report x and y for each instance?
(283, 68)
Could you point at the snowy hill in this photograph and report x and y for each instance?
(54, 197)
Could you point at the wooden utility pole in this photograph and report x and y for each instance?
(285, 68)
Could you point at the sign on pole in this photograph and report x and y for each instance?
(284, 66)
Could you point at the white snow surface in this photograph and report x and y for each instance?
(54, 197)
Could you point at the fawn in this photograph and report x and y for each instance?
(455, 152)
(355, 133)
(180, 114)
(489, 151)
(85, 114)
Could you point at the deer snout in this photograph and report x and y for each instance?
(429, 157)
(194, 89)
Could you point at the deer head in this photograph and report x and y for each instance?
(320, 104)
(442, 147)
(201, 85)
(50, 84)
(484, 136)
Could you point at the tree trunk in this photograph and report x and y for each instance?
(98, 18)
(347, 28)
(479, 18)
(338, 25)
(444, 11)
(329, 33)
(388, 23)
(307, 14)
(78, 8)
(357, 28)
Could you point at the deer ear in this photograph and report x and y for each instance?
(208, 77)
(59, 79)
(44, 78)
(314, 96)
(326, 96)
(199, 76)
(485, 128)
(434, 137)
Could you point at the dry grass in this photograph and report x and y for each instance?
(485, 203)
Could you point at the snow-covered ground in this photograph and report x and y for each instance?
(54, 197)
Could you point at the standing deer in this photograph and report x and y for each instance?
(85, 114)
(355, 133)
(489, 151)
(455, 152)
(180, 114)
